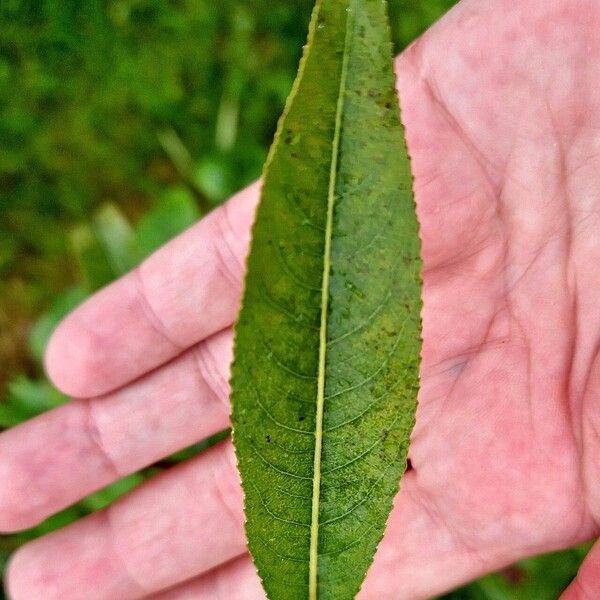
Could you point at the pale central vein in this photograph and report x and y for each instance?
(316, 495)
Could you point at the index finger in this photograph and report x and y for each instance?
(186, 291)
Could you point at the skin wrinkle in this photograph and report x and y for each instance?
(421, 185)
(457, 260)
(583, 447)
(509, 290)
(475, 352)
(567, 234)
(220, 588)
(563, 191)
(559, 232)
(578, 396)
(480, 160)
(454, 124)
(447, 397)
(122, 557)
(94, 434)
(228, 231)
(448, 365)
(582, 592)
(584, 163)
(589, 219)
(527, 345)
(563, 184)
(433, 513)
(570, 279)
(228, 263)
(152, 315)
(227, 485)
(206, 366)
(462, 358)
(223, 269)
(570, 385)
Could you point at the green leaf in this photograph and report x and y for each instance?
(117, 237)
(105, 249)
(325, 375)
(174, 212)
(26, 399)
(92, 260)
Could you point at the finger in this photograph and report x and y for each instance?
(185, 292)
(586, 585)
(171, 529)
(62, 456)
(236, 580)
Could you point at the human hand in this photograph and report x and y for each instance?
(502, 111)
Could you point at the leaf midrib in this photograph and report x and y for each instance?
(333, 172)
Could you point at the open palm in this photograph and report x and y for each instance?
(502, 111)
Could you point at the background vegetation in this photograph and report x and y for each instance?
(121, 123)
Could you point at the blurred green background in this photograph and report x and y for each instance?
(121, 123)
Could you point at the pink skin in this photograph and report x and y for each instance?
(502, 108)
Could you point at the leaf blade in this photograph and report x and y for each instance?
(321, 415)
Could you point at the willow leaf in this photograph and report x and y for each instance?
(325, 375)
